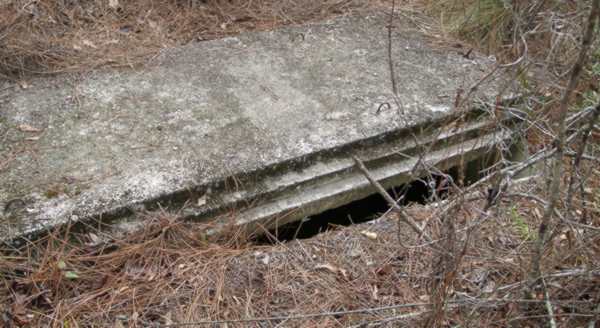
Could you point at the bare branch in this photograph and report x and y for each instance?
(552, 321)
(560, 142)
(579, 156)
(391, 202)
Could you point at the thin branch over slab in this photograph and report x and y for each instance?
(391, 202)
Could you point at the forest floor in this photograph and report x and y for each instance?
(373, 274)
(48, 37)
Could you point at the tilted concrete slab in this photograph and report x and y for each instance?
(262, 122)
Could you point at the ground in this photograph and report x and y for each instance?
(376, 274)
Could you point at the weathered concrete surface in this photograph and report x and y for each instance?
(220, 118)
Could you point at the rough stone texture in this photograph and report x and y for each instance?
(211, 110)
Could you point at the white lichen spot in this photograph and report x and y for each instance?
(304, 146)
(438, 108)
(232, 39)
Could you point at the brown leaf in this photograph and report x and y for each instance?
(18, 310)
(332, 269)
(89, 43)
(167, 318)
(384, 270)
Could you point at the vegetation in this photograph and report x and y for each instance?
(49, 36)
(504, 251)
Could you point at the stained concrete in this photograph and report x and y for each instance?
(224, 123)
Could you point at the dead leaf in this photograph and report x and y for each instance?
(72, 275)
(36, 138)
(332, 269)
(369, 234)
(266, 259)
(384, 270)
(489, 287)
(19, 310)
(375, 292)
(354, 252)
(327, 267)
(94, 239)
(89, 44)
(263, 258)
(114, 4)
(167, 318)
(28, 128)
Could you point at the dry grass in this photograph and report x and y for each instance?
(170, 273)
(538, 41)
(48, 36)
(547, 30)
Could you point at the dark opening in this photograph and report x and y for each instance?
(362, 210)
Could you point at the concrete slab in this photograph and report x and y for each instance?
(238, 122)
